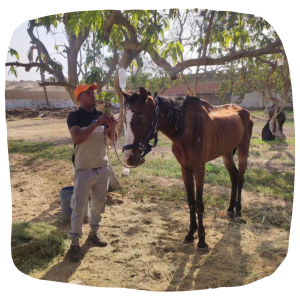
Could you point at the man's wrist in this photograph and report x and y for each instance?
(95, 122)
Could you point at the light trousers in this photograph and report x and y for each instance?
(94, 181)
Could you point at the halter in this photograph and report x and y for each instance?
(153, 129)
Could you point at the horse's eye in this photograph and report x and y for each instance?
(140, 119)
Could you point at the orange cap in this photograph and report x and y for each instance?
(84, 87)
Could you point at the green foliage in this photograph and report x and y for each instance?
(247, 75)
(13, 71)
(147, 80)
(107, 97)
(173, 49)
(94, 76)
(13, 52)
(230, 32)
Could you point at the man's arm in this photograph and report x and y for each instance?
(80, 135)
(112, 131)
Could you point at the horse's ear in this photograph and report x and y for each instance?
(126, 96)
(149, 93)
(143, 94)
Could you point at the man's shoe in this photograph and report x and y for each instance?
(75, 253)
(98, 239)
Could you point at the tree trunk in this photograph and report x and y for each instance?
(43, 80)
(114, 183)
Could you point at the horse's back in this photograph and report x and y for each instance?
(225, 127)
(230, 110)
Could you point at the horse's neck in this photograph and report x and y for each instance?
(167, 128)
(165, 125)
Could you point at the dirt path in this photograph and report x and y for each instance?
(146, 249)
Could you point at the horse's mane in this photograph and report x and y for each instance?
(175, 110)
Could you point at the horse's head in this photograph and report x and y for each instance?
(138, 118)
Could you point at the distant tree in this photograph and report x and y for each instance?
(259, 74)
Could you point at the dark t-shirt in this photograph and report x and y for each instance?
(82, 118)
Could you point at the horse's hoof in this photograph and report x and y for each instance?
(230, 215)
(188, 240)
(204, 249)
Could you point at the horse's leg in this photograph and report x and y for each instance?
(199, 173)
(243, 152)
(232, 170)
(188, 180)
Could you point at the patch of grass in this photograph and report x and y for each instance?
(163, 141)
(288, 123)
(271, 183)
(254, 153)
(35, 245)
(43, 150)
(259, 141)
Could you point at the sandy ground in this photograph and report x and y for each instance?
(146, 249)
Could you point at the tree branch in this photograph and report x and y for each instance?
(30, 65)
(208, 33)
(266, 62)
(112, 68)
(56, 68)
(173, 71)
(63, 84)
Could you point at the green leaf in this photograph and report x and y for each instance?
(134, 64)
(174, 55)
(227, 41)
(47, 23)
(13, 71)
(179, 46)
(13, 52)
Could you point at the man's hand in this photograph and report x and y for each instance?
(107, 119)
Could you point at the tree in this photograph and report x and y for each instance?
(259, 74)
(222, 37)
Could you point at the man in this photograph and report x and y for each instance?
(88, 128)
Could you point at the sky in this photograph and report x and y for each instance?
(284, 283)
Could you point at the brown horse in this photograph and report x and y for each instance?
(200, 132)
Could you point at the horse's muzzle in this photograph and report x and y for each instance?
(133, 160)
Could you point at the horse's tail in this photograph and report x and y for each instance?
(233, 152)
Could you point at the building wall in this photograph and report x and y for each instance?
(251, 100)
(37, 95)
(36, 99)
(38, 103)
(255, 100)
(61, 99)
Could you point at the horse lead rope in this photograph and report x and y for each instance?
(114, 134)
